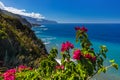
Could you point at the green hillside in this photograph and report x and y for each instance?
(18, 43)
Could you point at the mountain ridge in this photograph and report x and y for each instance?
(29, 21)
(40, 21)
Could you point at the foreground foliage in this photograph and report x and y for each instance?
(86, 64)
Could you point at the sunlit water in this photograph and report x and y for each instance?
(53, 35)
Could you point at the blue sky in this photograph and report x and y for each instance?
(67, 11)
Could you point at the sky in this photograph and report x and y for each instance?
(67, 11)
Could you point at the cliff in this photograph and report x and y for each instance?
(18, 43)
(22, 20)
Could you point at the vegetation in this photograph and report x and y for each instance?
(18, 44)
(87, 63)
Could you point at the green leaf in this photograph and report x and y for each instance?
(112, 61)
(85, 35)
(99, 71)
(104, 70)
(104, 55)
(104, 48)
(115, 66)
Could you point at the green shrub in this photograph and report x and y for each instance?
(85, 65)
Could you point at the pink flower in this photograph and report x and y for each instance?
(22, 67)
(83, 29)
(88, 56)
(69, 45)
(77, 54)
(9, 74)
(60, 67)
(66, 46)
(57, 67)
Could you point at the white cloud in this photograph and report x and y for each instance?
(1, 5)
(21, 11)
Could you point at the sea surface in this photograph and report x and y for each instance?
(53, 35)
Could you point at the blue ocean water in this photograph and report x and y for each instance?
(53, 35)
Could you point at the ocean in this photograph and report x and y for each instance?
(53, 35)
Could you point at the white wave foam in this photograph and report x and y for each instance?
(43, 29)
(42, 26)
(47, 38)
(46, 43)
(38, 32)
(51, 38)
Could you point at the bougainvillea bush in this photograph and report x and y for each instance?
(86, 64)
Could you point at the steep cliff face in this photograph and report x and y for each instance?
(18, 43)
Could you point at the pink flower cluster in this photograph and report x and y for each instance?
(81, 28)
(9, 74)
(22, 67)
(66, 46)
(60, 67)
(90, 57)
(77, 54)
